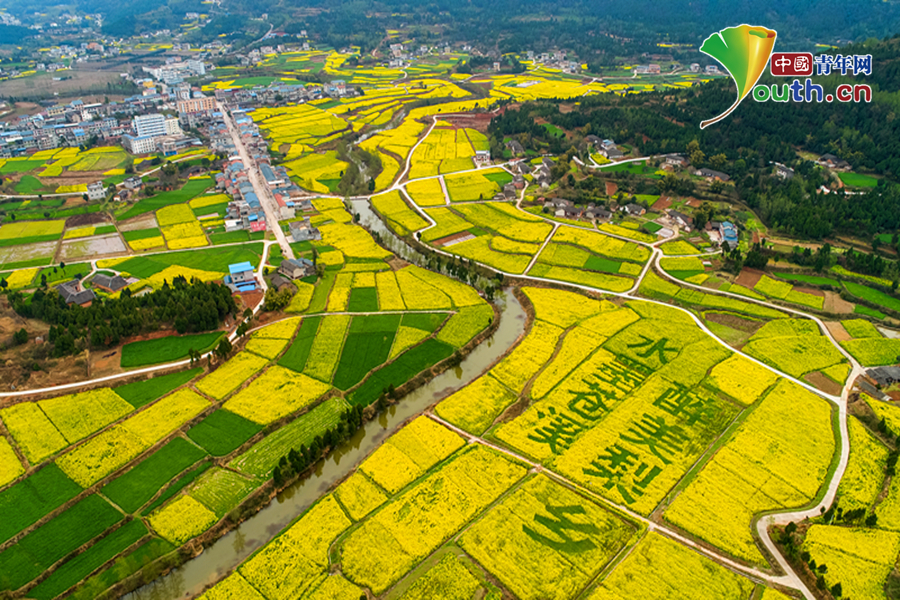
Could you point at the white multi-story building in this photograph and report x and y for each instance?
(96, 191)
(150, 125)
(172, 126)
(139, 144)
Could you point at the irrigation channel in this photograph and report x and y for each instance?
(230, 550)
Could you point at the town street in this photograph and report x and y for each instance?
(266, 200)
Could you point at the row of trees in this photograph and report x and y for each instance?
(299, 459)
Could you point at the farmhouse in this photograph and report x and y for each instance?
(682, 219)
(728, 233)
(96, 191)
(133, 183)
(72, 292)
(515, 147)
(303, 231)
(783, 171)
(109, 284)
(676, 160)
(634, 209)
(833, 162)
(711, 175)
(297, 268)
(884, 376)
(241, 277)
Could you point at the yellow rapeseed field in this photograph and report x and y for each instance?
(415, 523)
(101, 455)
(165, 416)
(233, 587)
(409, 453)
(10, 467)
(32, 431)
(777, 459)
(511, 541)
(742, 379)
(661, 569)
(475, 407)
(77, 416)
(297, 559)
(389, 297)
(859, 559)
(182, 520)
(359, 496)
(274, 394)
(229, 376)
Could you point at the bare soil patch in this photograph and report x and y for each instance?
(824, 383)
(147, 221)
(663, 203)
(837, 331)
(733, 321)
(396, 263)
(87, 219)
(749, 278)
(611, 188)
(96, 246)
(836, 305)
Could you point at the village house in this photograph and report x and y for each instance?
(783, 171)
(72, 292)
(109, 284)
(297, 268)
(833, 162)
(241, 277)
(728, 233)
(633, 209)
(676, 160)
(711, 175)
(683, 220)
(303, 231)
(515, 147)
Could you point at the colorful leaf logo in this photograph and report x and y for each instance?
(744, 51)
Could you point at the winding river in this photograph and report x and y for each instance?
(229, 551)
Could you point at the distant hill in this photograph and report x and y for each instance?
(520, 24)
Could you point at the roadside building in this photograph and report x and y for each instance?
(241, 277)
(297, 268)
(96, 191)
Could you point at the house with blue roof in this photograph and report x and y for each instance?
(729, 233)
(241, 277)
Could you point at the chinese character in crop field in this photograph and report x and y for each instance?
(619, 376)
(591, 404)
(620, 469)
(559, 431)
(686, 405)
(658, 347)
(658, 436)
(563, 528)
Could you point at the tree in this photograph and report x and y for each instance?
(836, 590)
(223, 349)
(371, 185)
(20, 337)
(695, 153)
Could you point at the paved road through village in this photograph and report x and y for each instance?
(266, 200)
